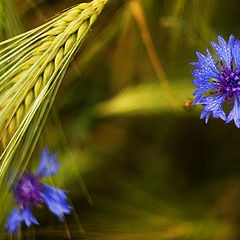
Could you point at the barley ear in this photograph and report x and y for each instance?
(32, 66)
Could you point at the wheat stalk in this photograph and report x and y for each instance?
(32, 66)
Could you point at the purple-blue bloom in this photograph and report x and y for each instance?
(219, 82)
(30, 192)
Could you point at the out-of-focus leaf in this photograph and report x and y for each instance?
(144, 99)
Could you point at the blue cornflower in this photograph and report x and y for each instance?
(29, 191)
(219, 82)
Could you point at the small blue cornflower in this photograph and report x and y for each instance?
(219, 82)
(29, 192)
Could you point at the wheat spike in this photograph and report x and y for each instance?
(31, 68)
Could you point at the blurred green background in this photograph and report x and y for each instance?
(136, 168)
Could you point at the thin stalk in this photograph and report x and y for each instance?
(138, 14)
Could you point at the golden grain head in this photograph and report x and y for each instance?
(32, 66)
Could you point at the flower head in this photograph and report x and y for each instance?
(219, 82)
(29, 192)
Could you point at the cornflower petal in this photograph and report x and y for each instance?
(203, 74)
(235, 113)
(48, 165)
(13, 221)
(202, 87)
(206, 64)
(56, 201)
(205, 114)
(224, 50)
(27, 217)
(55, 193)
(214, 105)
(236, 53)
